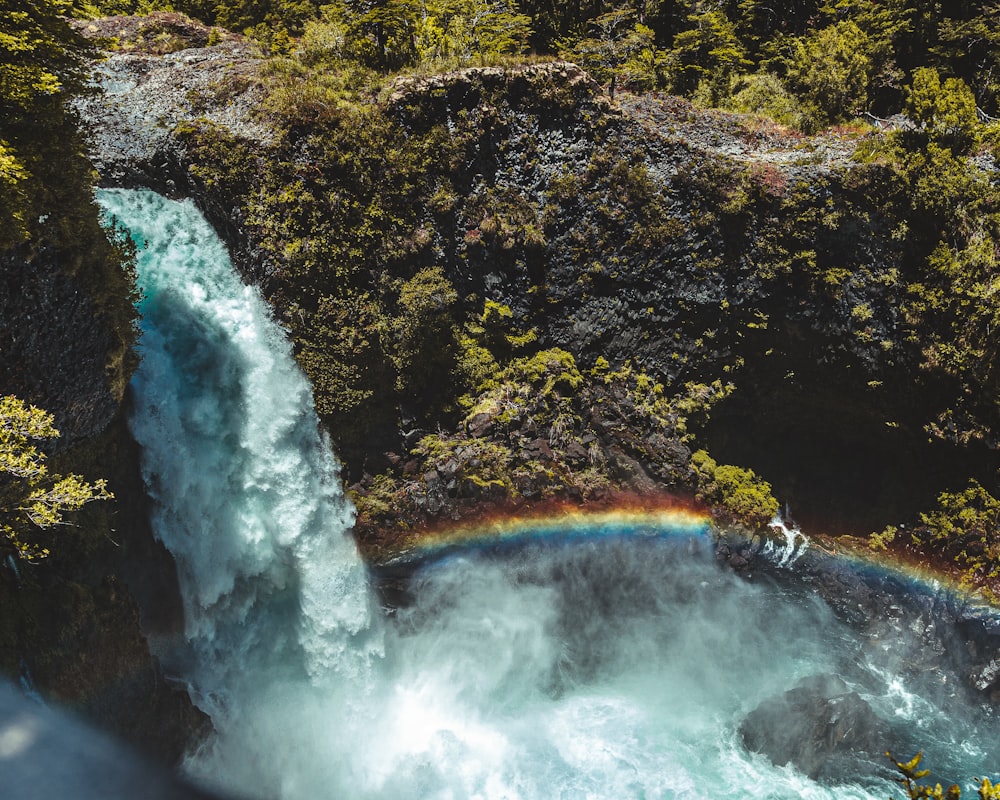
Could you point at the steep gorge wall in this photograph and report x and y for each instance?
(74, 626)
(696, 245)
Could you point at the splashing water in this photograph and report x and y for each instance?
(795, 543)
(613, 667)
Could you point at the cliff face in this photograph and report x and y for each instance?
(73, 626)
(52, 328)
(509, 289)
(696, 246)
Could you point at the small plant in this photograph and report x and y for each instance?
(910, 776)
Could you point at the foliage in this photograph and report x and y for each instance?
(837, 57)
(618, 50)
(32, 499)
(707, 54)
(832, 71)
(46, 183)
(470, 31)
(765, 94)
(910, 776)
(423, 333)
(945, 112)
(402, 33)
(40, 63)
(744, 497)
(966, 524)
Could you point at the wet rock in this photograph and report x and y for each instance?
(821, 727)
(987, 677)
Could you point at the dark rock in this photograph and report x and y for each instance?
(54, 346)
(411, 467)
(539, 448)
(480, 425)
(987, 677)
(432, 479)
(574, 451)
(629, 471)
(821, 727)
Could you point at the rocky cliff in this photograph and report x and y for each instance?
(509, 288)
(74, 626)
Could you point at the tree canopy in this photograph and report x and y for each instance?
(40, 64)
(837, 58)
(31, 498)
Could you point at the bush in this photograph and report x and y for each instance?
(945, 112)
(738, 493)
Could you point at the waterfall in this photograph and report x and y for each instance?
(794, 543)
(599, 667)
(245, 491)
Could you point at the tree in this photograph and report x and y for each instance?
(966, 524)
(31, 499)
(466, 30)
(945, 112)
(40, 62)
(832, 69)
(708, 53)
(618, 47)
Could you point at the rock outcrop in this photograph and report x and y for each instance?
(73, 626)
(821, 727)
(697, 246)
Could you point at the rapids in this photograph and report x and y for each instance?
(614, 666)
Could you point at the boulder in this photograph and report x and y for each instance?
(821, 727)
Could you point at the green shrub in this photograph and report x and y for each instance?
(738, 493)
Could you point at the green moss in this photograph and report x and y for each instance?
(737, 492)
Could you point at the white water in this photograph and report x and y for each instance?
(613, 669)
(795, 543)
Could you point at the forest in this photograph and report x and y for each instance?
(809, 64)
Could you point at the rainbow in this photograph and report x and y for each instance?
(664, 517)
(907, 573)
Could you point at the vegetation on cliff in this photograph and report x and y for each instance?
(68, 624)
(421, 243)
(812, 62)
(31, 498)
(505, 290)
